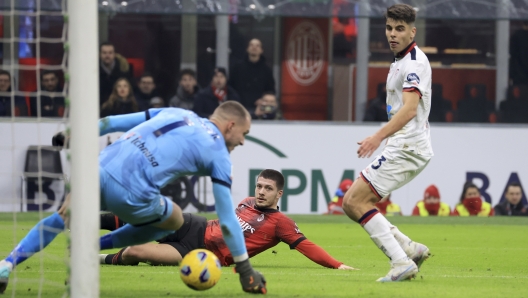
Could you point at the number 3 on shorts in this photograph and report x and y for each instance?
(382, 159)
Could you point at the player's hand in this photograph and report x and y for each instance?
(252, 281)
(345, 267)
(58, 139)
(368, 146)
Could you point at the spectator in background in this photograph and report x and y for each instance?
(20, 108)
(377, 107)
(512, 205)
(187, 90)
(267, 108)
(252, 77)
(156, 102)
(121, 101)
(475, 107)
(471, 204)
(388, 208)
(211, 97)
(514, 108)
(51, 99)
(112, 66)
(518, 57)
(441, 108)
(335, 206)
(431, 205)
(146, 91)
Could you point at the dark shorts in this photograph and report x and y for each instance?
(190, 236)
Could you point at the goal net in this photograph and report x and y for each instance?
(48, 84)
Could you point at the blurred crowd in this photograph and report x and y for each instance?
(470, 203)
(250, 82)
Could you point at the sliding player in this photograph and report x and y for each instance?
(263, 225)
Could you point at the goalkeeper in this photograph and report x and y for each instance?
(159, 146)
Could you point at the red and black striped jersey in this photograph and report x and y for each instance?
(263, 228)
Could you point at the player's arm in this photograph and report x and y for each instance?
(318, 255)
(125, 122)
(397, 122)
(251, 280)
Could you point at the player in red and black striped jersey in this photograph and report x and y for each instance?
(263, 226)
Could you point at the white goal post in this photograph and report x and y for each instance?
(84, 147)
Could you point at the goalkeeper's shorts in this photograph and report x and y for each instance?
(129, 207)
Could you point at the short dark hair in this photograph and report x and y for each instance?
(268, 93)
(106, 43)
(514, 184)
(276, 176)
(467, 185)
(186, 71)
(401, 12)
(47, 72)
(5, 72)
(146, 75)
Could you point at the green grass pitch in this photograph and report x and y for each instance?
(471, 257)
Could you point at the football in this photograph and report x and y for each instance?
(200, 269)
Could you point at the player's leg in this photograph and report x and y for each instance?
(414, 250)
(36, 240)
(152, 253)
(148, 218)
(359, 205)
(129, 234)
(110, 222)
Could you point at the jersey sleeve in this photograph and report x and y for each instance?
(416, 78)
(221, 170)
(317, 254)
(125, 122)
(288, 232)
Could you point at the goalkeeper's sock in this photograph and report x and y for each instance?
(48, 227)
(129, 235)
(111, 222)
(379, 230)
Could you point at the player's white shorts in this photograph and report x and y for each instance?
(392, 169)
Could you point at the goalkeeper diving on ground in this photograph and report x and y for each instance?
(159, 146)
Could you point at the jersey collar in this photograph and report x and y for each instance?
(269, 210)
(405, 51)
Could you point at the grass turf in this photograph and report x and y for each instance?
(479, 257)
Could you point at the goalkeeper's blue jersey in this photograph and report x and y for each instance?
(172, 143)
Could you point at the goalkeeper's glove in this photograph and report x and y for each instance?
(252, 281)
(59, 139)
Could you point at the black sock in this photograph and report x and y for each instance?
(111, 222)
(108, 259)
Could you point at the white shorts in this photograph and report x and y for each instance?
(392, 169)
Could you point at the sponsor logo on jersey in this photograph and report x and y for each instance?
(305, 53)
(245, 226)
(141, 146)
(297, 230)
(412, 77)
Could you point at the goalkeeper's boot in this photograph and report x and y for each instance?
(252, 281)
(400, 270)
(419, 253)
(5, 270)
